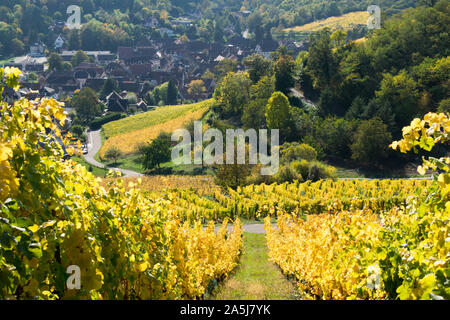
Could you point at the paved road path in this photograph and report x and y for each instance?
(94, 145)
(251, 228)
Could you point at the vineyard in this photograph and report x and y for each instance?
(400, 252)
(124, 135)
(169, 238)
(204, 201)
(54, 214)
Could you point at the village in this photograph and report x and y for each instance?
(141, 67)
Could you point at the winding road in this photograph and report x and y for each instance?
(94, 146)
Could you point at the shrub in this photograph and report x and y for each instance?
(97, 123)
(301, 167)
(296, 151)
(313, 170)
(371, 142)
(287, 174)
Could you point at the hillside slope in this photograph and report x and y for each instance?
(126, 134)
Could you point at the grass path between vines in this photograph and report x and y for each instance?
(256, 278)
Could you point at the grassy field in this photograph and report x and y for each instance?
(256, 278)
(345, 22)
(96, 171)
(131, 162)
(126, 134)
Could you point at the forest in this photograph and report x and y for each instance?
(108, 24)
(364, 94)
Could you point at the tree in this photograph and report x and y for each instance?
(109, 86)
(254, 114)
(218, 32)
(321, 63)
(284, 70)
(154, 154)
(32, 77)
(356, 109)
(327, 102)
(146, 87)
(257, 66)
(196, 87)
(338, 38)
(224, 67)
(233, 93)
(444, 106)
(263, 89)
(79, 57)
(17, 46)
(371, 142)
(67, 66)
(172, 92)
(55, 62)
(232, 175)
(278, 114)
(74, 39)
(208, 75)
(86, 104)
(295, 151)
(113, 153)
(78, 132)
(401, 95)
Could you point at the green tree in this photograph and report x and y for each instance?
(297, 151)
(284, 70)
(218, 32)
(232, 175)
(278, 114)
(157, 152)
(79, 57)
(254, 114)
(444, 106)
(32, 77)
(338, 38)
(401, 95)
(257, 67)
(172, 92)
(109, 86)
(321, 63)
(17, 46)
(371, 142)
(224, 67)
(77, 130)
(196, 87)
(67, 66)
(233, 93)
(74, 39)
(263, 89)
(86, 104)
(55, 62)
(327, 102)
(114, 154)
